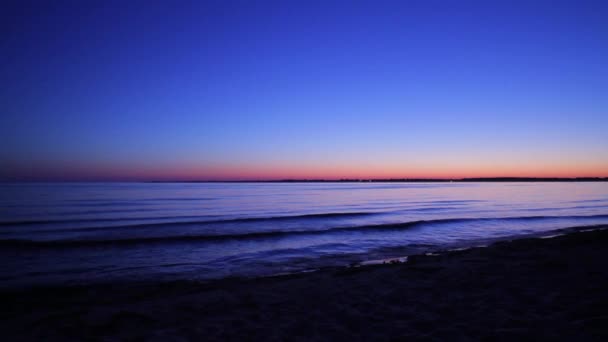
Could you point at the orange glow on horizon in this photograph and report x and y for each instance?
(260, 172)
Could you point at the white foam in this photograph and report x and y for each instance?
(399, 260)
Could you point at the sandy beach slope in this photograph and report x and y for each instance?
(549, 289)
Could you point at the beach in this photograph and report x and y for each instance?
(543, 288)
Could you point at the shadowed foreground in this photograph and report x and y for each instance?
(542, 288)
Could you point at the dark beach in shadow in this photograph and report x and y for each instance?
(547, 289)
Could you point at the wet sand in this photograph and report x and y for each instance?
(548, 289)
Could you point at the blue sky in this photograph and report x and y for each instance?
(311, 89)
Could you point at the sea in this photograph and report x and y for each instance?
(83, 233)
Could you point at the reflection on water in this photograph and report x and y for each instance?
(96, 232)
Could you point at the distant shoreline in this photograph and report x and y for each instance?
(398, 180)
(344, 180)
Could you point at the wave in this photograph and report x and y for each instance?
(91, 212)
(77, 204)
(567, 208)
(227, 220)
(161, 199)
(591, 200)
(275, 233)
(85, 220)
(450, 202)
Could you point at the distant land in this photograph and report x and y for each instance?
(401, 180)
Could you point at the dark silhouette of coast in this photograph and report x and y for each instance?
(399, 180)
(530, 288)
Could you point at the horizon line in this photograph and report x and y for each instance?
(340, 180)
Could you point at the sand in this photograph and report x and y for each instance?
(549, 289)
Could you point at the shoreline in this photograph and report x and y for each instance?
(388, 258)
(547, 288)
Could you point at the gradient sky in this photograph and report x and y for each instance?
(136, 90)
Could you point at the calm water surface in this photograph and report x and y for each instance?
(97, 232)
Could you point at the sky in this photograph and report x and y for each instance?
(256, 90)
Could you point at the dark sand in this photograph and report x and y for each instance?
(548, 289)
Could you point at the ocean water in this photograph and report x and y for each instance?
(73, 233)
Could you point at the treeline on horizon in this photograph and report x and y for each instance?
(404, 180)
